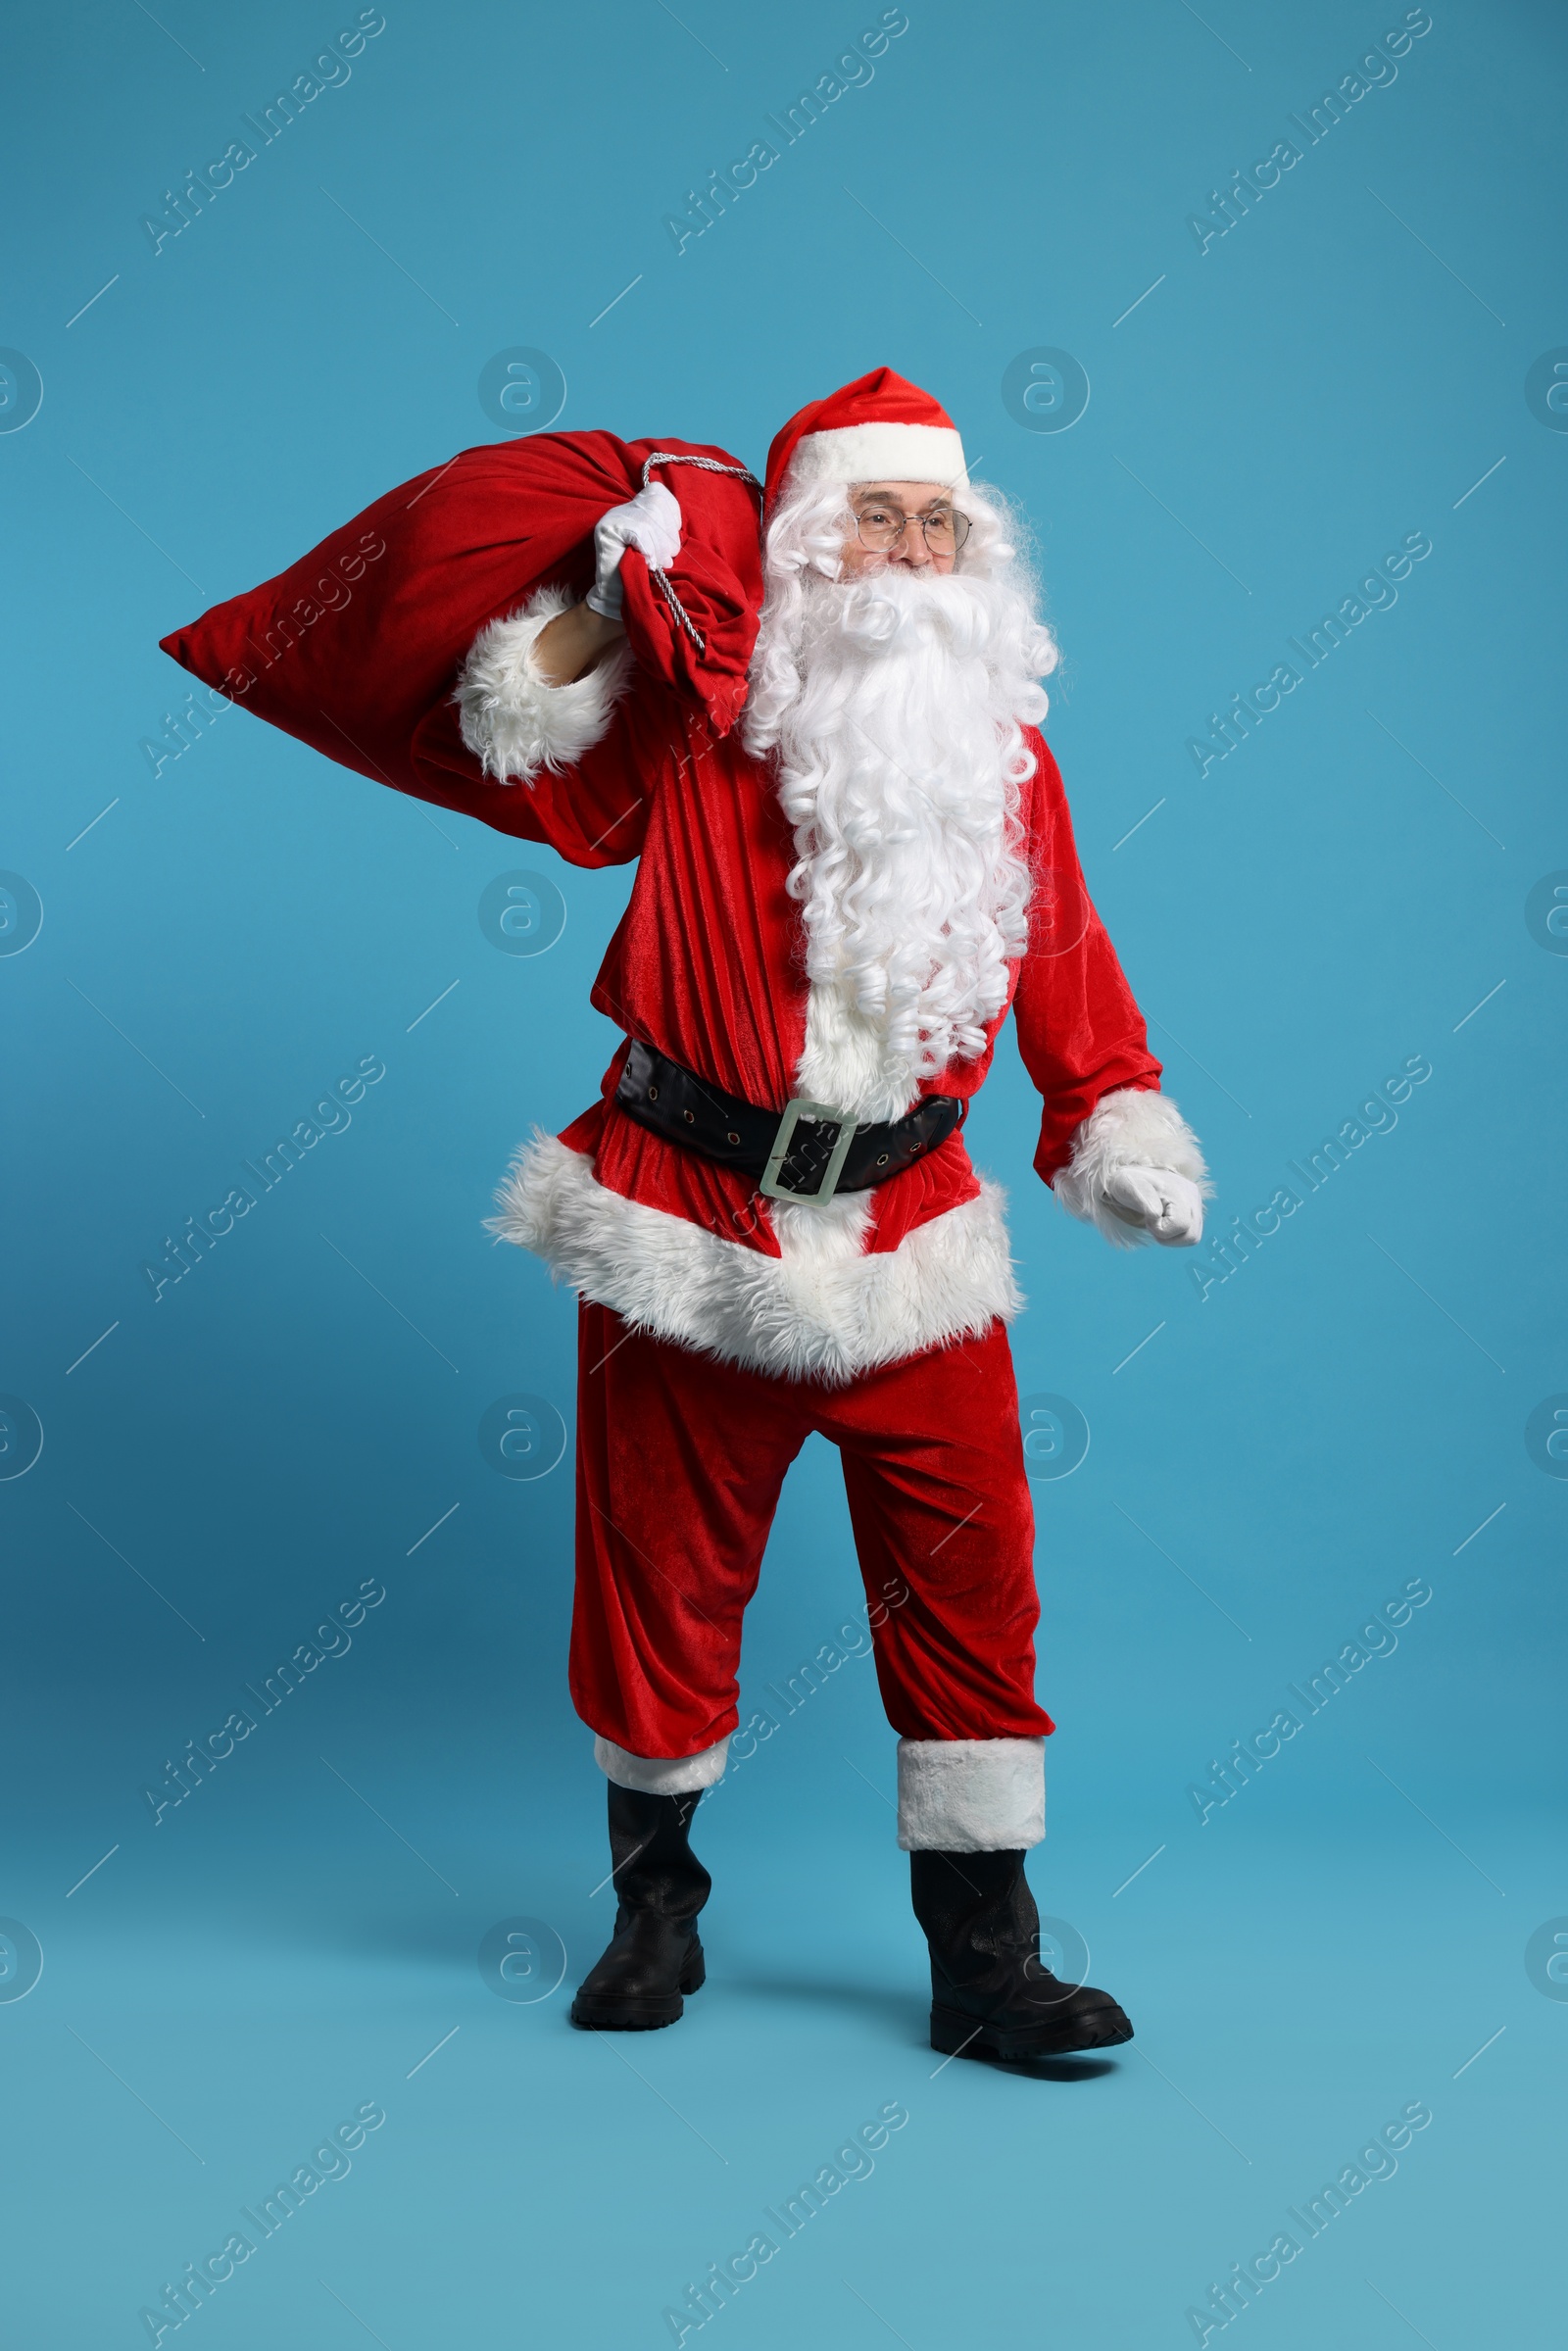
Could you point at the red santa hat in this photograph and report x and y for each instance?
(878, 428)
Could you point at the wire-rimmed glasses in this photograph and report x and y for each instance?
(881, 526)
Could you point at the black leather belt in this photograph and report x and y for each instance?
(809, 1152)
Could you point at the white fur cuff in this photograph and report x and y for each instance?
(971, 1795)
(1130, 1128)
(511, 719)
(657, 1775)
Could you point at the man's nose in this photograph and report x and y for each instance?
(911, 548)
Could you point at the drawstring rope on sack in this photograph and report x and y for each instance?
(709, 464)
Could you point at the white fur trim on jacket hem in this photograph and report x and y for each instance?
(971, 1795)
(513, 720)
(658, 1775)
(824, 1309)
(1133, 1127)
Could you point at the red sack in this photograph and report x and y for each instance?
(362, 639)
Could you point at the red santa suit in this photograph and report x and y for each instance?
(718, 1328)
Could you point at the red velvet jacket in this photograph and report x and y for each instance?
(707, 962)
(356, 648)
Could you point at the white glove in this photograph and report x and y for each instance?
(650, 522)
(1166, 1205)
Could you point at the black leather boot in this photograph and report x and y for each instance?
(654, 1955)
(991, 1993)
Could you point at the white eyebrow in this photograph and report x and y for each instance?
(861, 490)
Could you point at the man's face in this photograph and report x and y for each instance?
(889, 518)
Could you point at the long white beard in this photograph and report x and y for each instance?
(895, 704)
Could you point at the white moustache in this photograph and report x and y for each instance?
(897, 611)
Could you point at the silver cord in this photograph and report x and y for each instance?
(709, 464)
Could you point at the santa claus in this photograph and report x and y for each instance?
(770, 1217)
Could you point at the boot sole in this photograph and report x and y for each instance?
(603, 2013)
(959, 2035)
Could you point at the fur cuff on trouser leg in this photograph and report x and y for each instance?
(971, 1795)
(658, 1775)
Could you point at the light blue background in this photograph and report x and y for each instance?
(226, 940)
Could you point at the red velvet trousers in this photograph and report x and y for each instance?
(679, 1464)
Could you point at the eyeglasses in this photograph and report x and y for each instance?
(881, 526)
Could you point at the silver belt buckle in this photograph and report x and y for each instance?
(794, 1112)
